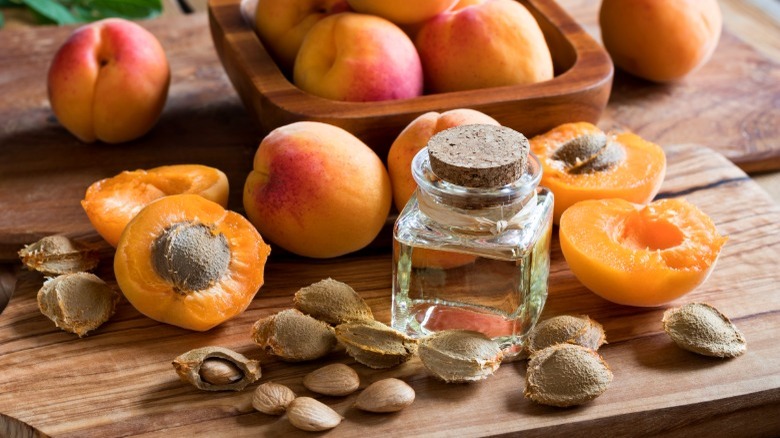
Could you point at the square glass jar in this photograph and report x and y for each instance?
(472, 258)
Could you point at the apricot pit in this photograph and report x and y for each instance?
(190, 256)
(581, 162)
(56, 255)
(703, 329)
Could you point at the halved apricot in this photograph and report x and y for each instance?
(639, 255)
(580, 162)
(186, 261)
(110, 203)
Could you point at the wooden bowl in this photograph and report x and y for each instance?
(578, 92)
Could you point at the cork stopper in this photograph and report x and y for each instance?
(481, 156)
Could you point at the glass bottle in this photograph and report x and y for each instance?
(472, 257)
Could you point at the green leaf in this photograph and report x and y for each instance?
(51, 11)
(131, 9)
(2, 20)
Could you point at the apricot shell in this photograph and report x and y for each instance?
(158, 298)
(639, 255)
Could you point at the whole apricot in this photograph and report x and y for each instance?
(660, 40)
(186, 261)
(639, 255)
(282, 25)
(109, 81)
(481, 45)
(316, 190)
(414, 137)
(399, 164)
(358, 58)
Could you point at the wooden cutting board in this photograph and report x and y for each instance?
(730, 105)
(119, 381)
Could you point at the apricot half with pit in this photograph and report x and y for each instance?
(112, 202)
(639, 255)
(186, 261)
(581, 162)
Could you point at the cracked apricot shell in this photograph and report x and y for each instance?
(186, 261)
(639, 255)
(636, 178)
(112, 202)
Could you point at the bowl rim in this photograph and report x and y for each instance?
(592, 68)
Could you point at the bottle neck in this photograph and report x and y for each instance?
(493, 219)
(477, 210)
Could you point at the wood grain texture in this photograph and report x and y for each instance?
(579, 90)
(730, 104)
(119, 381)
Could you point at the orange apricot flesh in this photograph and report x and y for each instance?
(111, 203)
(637, 178)
(639, 255)
(188, 233)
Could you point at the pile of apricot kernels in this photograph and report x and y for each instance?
(186, 261)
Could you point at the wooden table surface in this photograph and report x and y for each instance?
(203, 115)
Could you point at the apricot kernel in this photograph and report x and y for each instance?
(702, 329)
(272, 398)
(190, 256)
(216, 369)
(566, 375)
(460, 355)
(335, 379)
(311, 415)
(333, 302)
(56, 255)
(294, 336)
(77, 303)
(374, 344)
(386, 395)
